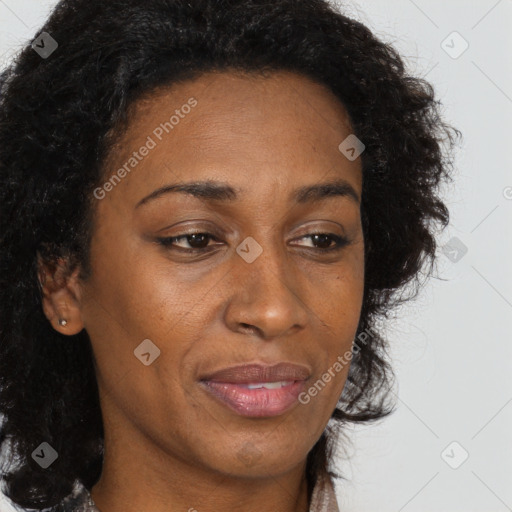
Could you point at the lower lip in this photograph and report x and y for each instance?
(256, 403)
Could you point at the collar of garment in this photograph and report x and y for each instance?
(323, 498)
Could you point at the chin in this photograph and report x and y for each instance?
(258, 461)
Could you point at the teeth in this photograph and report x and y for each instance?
(270, 385)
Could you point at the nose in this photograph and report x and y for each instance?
(267, 296)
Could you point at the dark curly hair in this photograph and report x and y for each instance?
(59, 118)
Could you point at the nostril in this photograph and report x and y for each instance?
(249, 327)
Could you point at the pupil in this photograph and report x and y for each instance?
(323, 239)
(193, 240)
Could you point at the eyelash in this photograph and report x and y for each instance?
(168, 242)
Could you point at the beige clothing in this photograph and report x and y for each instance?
(324, 497)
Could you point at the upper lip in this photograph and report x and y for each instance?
(255, 372)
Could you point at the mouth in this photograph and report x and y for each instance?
(256, 390)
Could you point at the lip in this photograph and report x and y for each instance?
(255, 372)
(230, 387)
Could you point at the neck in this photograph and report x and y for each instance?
(142, 480)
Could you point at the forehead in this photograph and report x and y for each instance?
(243, 128)
(233, 103)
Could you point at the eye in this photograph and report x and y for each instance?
(324, 240)
(198, 242)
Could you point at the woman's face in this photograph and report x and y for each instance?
(261, 288)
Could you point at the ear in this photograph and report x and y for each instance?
(61, 295)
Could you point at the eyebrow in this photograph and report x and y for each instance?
(219, 191)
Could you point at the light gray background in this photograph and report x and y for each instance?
(452, 347)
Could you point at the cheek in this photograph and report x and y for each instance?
(336, 296)
(337, 305)
(138, 313)
(135, 286)
(324, 389)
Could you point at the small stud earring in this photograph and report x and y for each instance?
(63, 322)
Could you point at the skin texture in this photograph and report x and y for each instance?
(168, 444)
